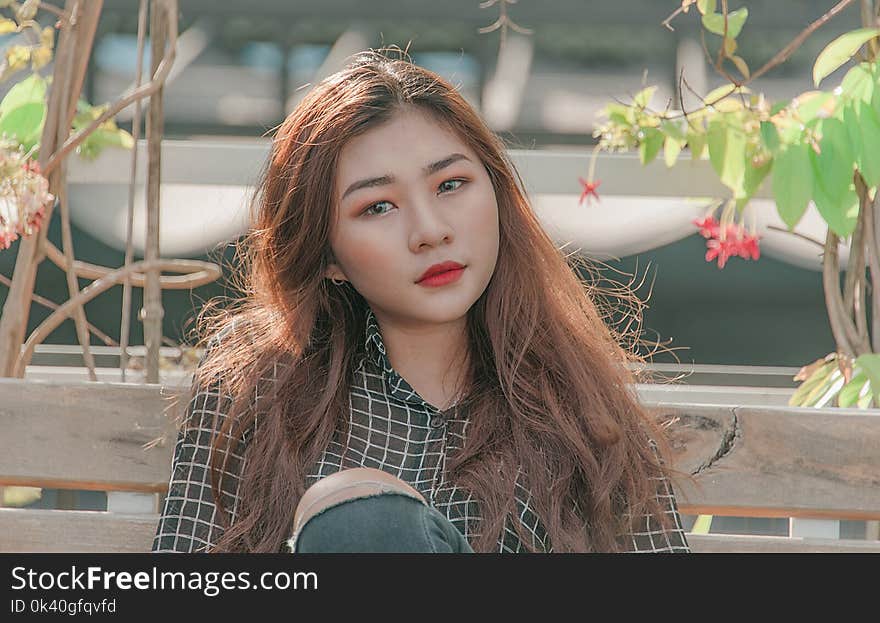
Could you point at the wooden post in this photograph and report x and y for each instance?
(16, 309)
(152, 312)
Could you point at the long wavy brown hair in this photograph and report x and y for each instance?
(549, 388)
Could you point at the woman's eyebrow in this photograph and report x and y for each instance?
(384, 180)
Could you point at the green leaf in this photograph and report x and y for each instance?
(741, 65)
(813, 392)
(770, 136)
(7, 26)
(696, 141)
(31, 89)
(866, 128)
(792, 183)
(671, 148)
(850, 118)
(833, 166)
(753, 178)
(859, 82)
(650, 145)
(779, 106)
(723, 92)
(24, 124)
(801, 395)
(870, 365)
(706, 6)
(727, 151)
(840, 51)
(673, 129)
(643, 97)
(827, 390)
(102, 138)
(813, 105)
(618, 113)
(841, 213)
(849, 393)
(714, 22)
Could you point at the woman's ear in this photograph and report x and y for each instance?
(333, 271)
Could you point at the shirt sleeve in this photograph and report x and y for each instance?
(648, 535)
(189, 521)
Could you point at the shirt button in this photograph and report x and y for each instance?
(437, 422)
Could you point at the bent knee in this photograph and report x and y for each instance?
(349, 484)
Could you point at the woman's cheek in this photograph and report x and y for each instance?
(371, 259)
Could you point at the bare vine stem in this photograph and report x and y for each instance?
(779, 58)
(146, 90)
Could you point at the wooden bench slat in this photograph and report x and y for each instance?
(86, 436)
(40, 530)
(742, 544)
(777, 512)
(763, 461)
(26, 530)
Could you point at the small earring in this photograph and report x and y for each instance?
(337, 282)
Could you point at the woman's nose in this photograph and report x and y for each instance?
(429, 226)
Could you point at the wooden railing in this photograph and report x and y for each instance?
(747, 461)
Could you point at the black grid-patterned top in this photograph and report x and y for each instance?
(390, 428)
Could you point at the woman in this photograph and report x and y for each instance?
(410, 329)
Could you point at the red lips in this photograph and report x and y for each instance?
(440, 268)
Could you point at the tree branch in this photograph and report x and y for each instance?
(798, 234)
(795, 43)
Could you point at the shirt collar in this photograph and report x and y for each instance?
(375, 348)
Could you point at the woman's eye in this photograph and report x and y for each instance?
(450, 185)
(370, 210)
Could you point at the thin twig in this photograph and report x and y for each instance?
(39, 300)
(129, 247)
(854, 283)
(798, 234)
(795, 43)
(68, 96)
(874, 265)
(72, 284)
(51, 8)
(831, 284)
(666, 22)
(198, 272)
(837, 314)
(854, 259)
(146, 90)
(720, 58)
(85, 295)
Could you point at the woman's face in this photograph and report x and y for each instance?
(410, 194)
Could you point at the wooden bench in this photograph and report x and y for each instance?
(748, 461)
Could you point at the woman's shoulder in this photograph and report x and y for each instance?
(238, 328)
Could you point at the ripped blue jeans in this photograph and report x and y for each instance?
(360, 510)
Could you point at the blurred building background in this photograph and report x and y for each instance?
(241, 67)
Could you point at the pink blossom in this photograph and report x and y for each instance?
(735, 242)
(589, 189)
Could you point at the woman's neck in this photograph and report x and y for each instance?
(433, 358)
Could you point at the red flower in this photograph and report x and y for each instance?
(721, 249)
(33, 166)
(7, 238)
(736, 242)
(748, 248)
(709, 227)
(589, 189)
